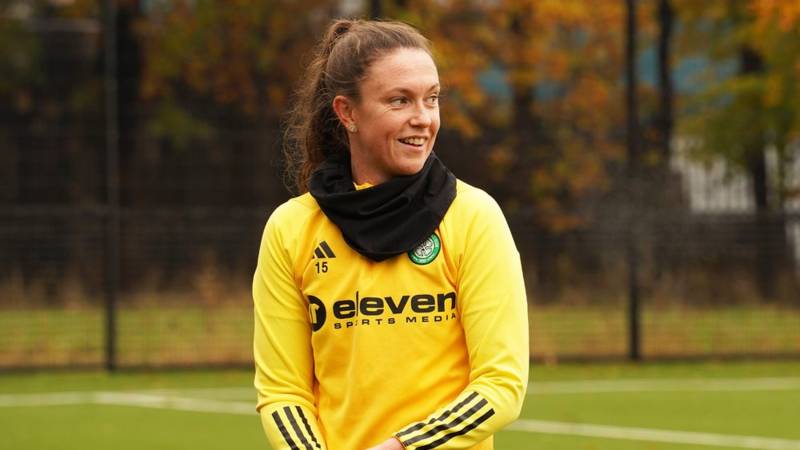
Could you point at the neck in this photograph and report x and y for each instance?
(365, 173)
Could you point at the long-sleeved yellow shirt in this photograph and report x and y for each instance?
(429, 346)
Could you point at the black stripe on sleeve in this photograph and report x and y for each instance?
(282, 428)
(444, 427)
(318, 252)
(296, 428)
(444, 415)
(327, 249)
(308, 427)
(460, 432)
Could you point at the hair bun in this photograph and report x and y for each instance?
(336, 31)
(341, 27)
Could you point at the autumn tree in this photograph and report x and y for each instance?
(215, 79)
(743, 115)
(242, 56)
(48, 83)
(19, 56)
(536, 86)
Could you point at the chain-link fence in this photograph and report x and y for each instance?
(184, 291)
(714, 277)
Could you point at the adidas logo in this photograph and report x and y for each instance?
(323, 250)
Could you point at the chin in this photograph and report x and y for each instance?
(411, 167)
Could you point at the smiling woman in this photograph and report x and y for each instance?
(390, 310)
(392, 126)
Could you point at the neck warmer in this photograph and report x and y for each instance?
(387, 219)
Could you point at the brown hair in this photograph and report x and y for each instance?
(338, 65)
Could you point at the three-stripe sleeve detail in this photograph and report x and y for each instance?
(303, 434)
(444, 431)
(474, 424)
(443, 416)
(284, 432)
(296, 428)
(308, 427)
(447, 426)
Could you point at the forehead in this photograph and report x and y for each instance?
(403, 68)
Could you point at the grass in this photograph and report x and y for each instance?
(170, 334)
(754, 412)
(104, 427)
(667, 331)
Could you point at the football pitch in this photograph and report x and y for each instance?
(665, 406)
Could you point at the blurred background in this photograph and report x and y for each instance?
(646, 154)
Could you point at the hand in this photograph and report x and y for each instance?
(390, 444)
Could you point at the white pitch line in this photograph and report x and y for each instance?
(534, 388)
(46, 399)
(123, 398)
(140, 399)
(663, 385)
(587, 386)
(213, 391)
(654, 435)
(590, 386)
(175, 403)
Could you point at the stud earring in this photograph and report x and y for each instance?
(352, 128)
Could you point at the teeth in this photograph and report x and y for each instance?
(413, 141)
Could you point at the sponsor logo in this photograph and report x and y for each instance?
(427, 251)
(386, 310)
(323, 250)
(316, 312)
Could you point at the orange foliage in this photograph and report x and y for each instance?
(570, 55)
(240, 54)
(786, 14)
(557, 66)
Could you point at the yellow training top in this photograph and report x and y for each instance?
(429, 346)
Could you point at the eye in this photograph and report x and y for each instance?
(434, 99)
(398, 101)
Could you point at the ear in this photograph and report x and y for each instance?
(343, 107)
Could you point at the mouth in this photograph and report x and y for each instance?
(414, 141)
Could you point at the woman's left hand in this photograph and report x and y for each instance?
(390, 444)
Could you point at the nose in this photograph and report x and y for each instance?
(423, 116)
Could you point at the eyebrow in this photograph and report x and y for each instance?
(409, 91)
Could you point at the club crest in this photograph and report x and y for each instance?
(427, 251)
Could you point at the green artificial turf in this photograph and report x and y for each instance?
(770, 413)
(170, 335)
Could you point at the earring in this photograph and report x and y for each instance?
(352, 128)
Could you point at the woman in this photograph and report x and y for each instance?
(390, 310)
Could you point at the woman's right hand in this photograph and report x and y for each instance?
(389, 444)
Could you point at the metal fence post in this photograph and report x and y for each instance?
(633, 186)
(112, 183)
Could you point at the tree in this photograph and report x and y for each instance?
(241, 56)
(534, 86)
(215, 80)
(752, 110)
(19, 55)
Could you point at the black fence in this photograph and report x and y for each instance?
(183, 296)
(152, 268)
